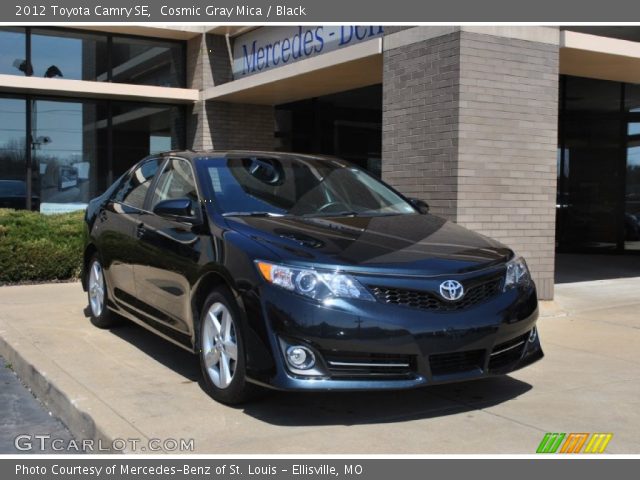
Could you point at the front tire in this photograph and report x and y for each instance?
(97, 293)
(221, 350)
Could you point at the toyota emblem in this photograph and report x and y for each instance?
(451, 290)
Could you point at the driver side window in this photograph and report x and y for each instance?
(176, 181)
(133, 189)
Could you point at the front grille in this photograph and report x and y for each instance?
(431, 301)
(344, 365)
(507, 353)
(456, 362)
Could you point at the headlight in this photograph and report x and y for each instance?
(316, 284)
(517, 273)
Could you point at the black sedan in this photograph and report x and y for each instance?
(298, 272)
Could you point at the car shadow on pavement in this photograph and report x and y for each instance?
(165, 352)
(339, 408)
(358, 408)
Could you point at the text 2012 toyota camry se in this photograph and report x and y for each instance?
(298, 272)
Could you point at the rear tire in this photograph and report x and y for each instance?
(97, 294)
(221, 350)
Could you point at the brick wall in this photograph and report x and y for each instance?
(222, 125)
(470, 126)
(241, 126)
(199, 76)
(218, 54)
(419, 121)
(508, 124)
(388, 29)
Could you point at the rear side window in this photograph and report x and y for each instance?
(134, 188)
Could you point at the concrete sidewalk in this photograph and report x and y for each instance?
(128, 383)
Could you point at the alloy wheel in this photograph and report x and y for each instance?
(219, 345)
(96, 289)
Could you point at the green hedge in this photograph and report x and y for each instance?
(39, 248)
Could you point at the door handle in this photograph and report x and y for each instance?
(140, 230)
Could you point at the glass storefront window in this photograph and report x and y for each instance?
(13, 187)
(632, 98)
(591, 152)
(632, 186)
(143, 129)
(13, 56)
(346, 124)
(598, 203)
(72, 55)
(588, 198)
(147, 62)
(78, 55)
(72, 157)
(587, 95)
(69, 145)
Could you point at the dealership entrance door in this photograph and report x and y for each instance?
(346, 124)
(598, 203)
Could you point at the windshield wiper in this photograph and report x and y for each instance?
(252, 214)
(346, 213)
(353, 213)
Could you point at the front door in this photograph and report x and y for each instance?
(170, 252)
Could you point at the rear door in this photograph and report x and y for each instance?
(116, 224)
(170, 249)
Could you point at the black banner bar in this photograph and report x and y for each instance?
(225, 11)
(298, 469)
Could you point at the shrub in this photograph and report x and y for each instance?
(39, 248)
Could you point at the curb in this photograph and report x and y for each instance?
(70, 401)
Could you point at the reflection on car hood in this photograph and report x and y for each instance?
(406, 244)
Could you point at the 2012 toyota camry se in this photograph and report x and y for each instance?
(299, 272)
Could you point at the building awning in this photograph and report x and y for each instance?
(604, 58)
(345, 69)
(85, 89)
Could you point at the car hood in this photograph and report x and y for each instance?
(403, 244)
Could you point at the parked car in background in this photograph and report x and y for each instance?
(13, 194)
(299, 272)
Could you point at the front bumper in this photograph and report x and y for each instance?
(367, 345)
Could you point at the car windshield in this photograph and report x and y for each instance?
(298, 186)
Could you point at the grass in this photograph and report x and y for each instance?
(39, 248)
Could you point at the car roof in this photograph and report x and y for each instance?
(196, 154)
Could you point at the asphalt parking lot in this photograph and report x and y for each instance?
(127, 383)
(22, 415)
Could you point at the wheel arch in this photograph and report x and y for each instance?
(209, 281)
(258, 355)
(89, 251)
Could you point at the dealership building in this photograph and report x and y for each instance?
(528, 134)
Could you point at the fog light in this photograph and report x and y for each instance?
(533, 335)
(300, 357)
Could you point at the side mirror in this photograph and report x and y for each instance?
(420, 205)
(179, 209)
